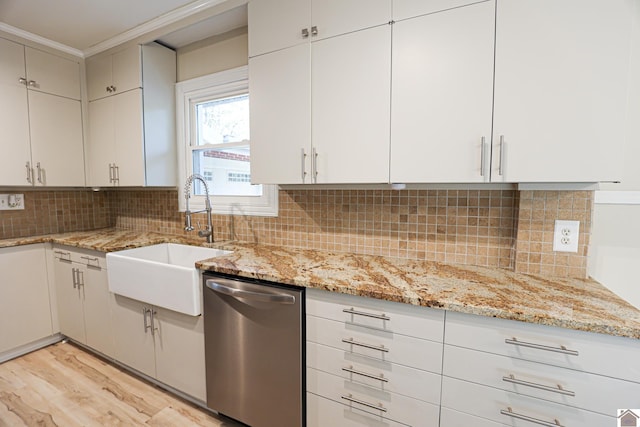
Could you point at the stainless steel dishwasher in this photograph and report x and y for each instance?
(254, 336)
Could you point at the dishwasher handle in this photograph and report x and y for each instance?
(255, 296)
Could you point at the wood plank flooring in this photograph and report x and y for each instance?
(63, 385)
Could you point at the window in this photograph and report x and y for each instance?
(213, 141)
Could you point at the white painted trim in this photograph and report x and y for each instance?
(617, 198)
(40, 40)
(152, 25)
(187, 91)
(28, 348)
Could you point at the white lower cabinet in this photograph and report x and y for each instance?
(162, 344)
(83, 297)
(25, 311)
(369, 363)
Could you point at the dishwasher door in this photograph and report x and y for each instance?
(254, 351)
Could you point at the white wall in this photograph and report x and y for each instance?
(614, 254)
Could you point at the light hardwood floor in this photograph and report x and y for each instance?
(63, 385)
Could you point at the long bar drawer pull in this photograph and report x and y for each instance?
(562, 349)
(362, 313)
(361, 344)
(377, 407)
(509, 412)
(558, 389)
(365, 374)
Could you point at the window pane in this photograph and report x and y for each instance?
(223, 120)
(227, 171)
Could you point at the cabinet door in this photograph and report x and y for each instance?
(442, 96)
(335, 17)
(280, 115)
(277, 24)
(70, 296)
(351, 79)
(25, 313)
(97, 310)
(133, 342)
(127, 69)
(180, 352)
(98, 76)
(52, 74)
(56, 140)
(101, 149)
(129, 138)
(560, 90)
(14, 120)
(404, 9)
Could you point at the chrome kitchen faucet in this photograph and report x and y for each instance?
(206, 232)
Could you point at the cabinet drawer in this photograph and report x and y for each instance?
(399, 318)
(81, 256)
(488, 402)
(451, 418)
(392, 406)
(383, 376)
(491, 335)
(379, 345)
(587, 389)
(322, 412)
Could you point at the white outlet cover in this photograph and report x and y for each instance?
(566, 236)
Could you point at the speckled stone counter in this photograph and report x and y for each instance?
(580, 304)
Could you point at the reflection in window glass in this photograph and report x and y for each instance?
(222, 121)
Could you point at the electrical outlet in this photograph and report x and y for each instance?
(11, 202)
(565, 236)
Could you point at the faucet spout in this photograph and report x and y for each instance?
(207, 232)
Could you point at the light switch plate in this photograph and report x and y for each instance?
(11, 202)
(565, 236)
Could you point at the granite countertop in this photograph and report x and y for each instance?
(580, 304)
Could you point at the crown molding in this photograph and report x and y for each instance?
(40, 40)
(152, 25)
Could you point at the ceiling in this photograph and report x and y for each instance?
(84, 24)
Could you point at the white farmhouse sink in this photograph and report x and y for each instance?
(163, 275)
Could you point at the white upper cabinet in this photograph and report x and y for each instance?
(442, 96)
(116, 73)
(52, 74)
(350, 104)
(41, 118)
(132, 126)
(403, 9)
(561, 76)
(278, 24)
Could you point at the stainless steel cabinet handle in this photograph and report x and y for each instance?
(365, 374)
(381, 348)
(62, 253)
(90, 258)
(509, 412)
(73, 276)
(144, 316)
(256, 296)
(29, 173)
(116, 173)
(305, 33)
(153, 325)
(22, 81)
(111, 172)
(108, 88)
(314, 31)
(365, 314)
(557, 389)
(483, 147)
(39, 172)
(303, 158)
(32, 83)
(377, 407)
(80, 274)
(562, 349)
(314, 164)
(502, 148)
(113, 88)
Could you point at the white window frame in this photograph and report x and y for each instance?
(188, 93)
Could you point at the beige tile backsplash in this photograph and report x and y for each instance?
(501, 228)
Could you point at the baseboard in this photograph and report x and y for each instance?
(28, 348)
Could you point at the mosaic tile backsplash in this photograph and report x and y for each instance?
(500, 228)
